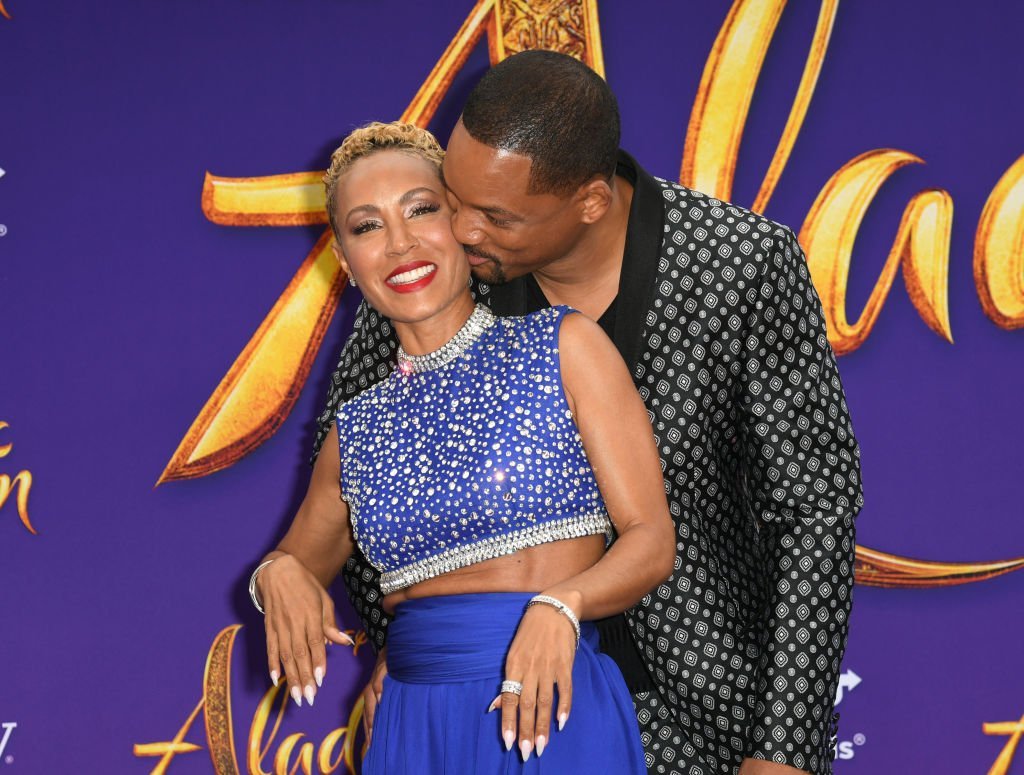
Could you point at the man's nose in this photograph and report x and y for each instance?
(464, 230)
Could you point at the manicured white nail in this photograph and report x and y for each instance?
(510, 737)
(274, 675)
(348, 638)
(495, 704)
(541, 742)
(309, 694)
(525, 748)
(318, 675)
(562, 718)
(297, 696)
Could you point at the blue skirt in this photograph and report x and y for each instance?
(446, 658)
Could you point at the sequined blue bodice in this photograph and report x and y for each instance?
(467, 454)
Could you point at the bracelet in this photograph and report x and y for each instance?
(562, 608)
(252, 584)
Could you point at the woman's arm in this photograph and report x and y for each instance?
(320, 536)
(293, 589)
(619, 443)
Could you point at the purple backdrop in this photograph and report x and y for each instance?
(122, 307)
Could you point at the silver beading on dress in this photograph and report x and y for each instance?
(576, 526)
(481, 319)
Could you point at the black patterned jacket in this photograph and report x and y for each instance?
(725, 337)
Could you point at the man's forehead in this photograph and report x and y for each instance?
(489, 179)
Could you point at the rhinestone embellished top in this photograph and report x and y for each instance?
(467, 453)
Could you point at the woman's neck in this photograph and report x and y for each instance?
(425, 336)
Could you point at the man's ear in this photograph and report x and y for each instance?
(595, 197)
(340, 255)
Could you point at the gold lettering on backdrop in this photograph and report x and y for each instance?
(261, 387)
(216, 707)
(922, 244)
(337, 749)
(280, 200)
(999, 251)
(263, 383)
(555, 25)
(1015, 729)
(21, 480)
(720, 109)
(879, 569)
(709, 164)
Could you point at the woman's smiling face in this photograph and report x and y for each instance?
(395, 236)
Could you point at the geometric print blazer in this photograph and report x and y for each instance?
(725, 337)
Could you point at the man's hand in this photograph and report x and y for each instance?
(761, 767)
(373, 691)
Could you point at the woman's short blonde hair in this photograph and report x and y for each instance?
(369, 139)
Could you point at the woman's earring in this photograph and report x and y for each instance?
(352, 281)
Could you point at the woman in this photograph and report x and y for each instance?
(493, 464)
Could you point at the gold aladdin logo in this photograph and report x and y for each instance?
(294, 754)
(1015, 729)
(22, 480)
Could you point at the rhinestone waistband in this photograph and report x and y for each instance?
(481, 319)
(496, 546)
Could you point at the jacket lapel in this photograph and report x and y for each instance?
(638, 279)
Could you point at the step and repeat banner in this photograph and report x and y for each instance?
(171, 312)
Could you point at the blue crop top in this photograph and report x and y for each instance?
(467, 453)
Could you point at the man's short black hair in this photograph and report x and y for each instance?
(552, 109)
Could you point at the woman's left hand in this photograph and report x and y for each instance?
(540, 658)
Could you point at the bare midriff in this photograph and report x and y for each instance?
(528, 570)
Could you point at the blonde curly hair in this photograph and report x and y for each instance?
(373, 137)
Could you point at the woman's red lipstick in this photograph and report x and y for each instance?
(411, 277)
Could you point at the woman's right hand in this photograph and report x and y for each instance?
(300, 622)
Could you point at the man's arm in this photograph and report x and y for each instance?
(365, 360)
(802, 471)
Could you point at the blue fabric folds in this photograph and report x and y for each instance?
(446, 659)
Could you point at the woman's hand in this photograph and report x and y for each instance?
(540, 658)
(300, 622)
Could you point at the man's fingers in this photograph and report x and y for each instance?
(377, 680)
(370, 701)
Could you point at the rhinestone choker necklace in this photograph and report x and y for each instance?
(481, 319)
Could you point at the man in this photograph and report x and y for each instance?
(733, 663)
